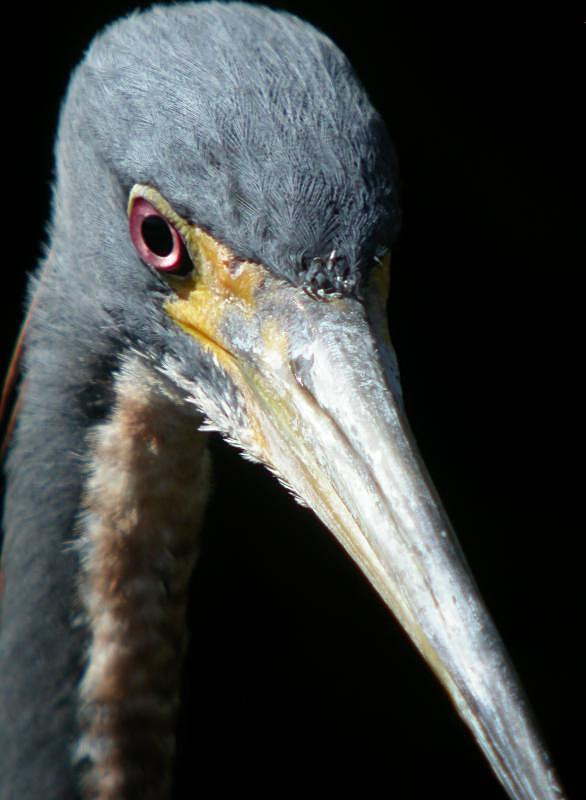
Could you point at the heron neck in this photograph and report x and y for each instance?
(101, 524)
(42, 644)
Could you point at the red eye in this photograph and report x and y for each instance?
(156, 240)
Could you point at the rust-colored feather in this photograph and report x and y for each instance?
(10, 393)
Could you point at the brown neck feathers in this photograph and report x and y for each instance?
(143, 507)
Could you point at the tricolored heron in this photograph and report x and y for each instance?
(261, 200)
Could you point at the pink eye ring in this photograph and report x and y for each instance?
(156, 240)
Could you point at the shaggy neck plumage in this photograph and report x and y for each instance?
(143, 503)
(98, 550)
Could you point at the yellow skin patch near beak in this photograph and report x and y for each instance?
(218, 283)
(219, 286)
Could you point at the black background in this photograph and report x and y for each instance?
(298, 677)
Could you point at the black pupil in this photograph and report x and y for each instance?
(157, 235)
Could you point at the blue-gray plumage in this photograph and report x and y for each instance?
(242, 137)
(283, 170)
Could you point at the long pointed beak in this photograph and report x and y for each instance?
(318, 399)
(324, 393)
